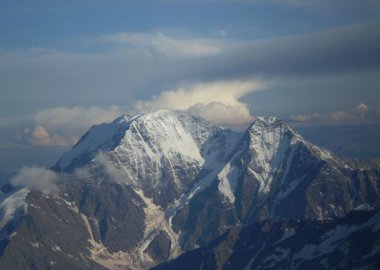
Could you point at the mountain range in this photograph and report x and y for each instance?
(169, 190)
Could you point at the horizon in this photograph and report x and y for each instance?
(358, 141)
(315, 64)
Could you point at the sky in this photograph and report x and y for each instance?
(67, 65)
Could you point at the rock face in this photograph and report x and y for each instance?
(351, 242)
(149, 187)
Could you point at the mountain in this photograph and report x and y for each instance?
(351, 242)
(149, 187)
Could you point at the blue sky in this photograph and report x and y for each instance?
(54, 23)
(309, 62)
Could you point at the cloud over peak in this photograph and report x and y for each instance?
(218, 102)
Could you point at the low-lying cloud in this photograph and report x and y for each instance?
(64, 125)
(115, 174)
(218, 102)
(361, 114)
(37, 178)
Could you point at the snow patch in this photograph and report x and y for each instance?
(56, 248)
(35, 244)
(13, 206)
(154, 141)
(332, 239)
(287, 234)
(228, 181)
(363, 207)
(278, 255)
(269, 143)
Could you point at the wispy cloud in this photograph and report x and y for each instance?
(361, 114)
(167, 45)
(128, 73)
(37, 178)
(55, 78)
(323, 4)
(115, 174)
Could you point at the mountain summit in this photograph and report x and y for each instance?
(150, 186)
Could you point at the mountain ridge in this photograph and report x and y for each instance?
(148, 187)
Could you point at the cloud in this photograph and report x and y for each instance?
(132, 72)
(36, 178)
(220, 113)
(226, 92)
(341, 50)
(218, 102)
(322, 4)
(63, 125)
(361, 114)
(40, 136)
(354, 48)
(62, 78)
(115, 174)
(170, 46)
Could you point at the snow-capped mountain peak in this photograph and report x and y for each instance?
(192, 150)
(155, 125)
(161, 151)
(151, 185)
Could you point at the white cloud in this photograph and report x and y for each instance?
(170, 46)
(37, 178)
(129, 73)
(40, 136)
(362, 107)
(64, 125)
(218, 102)
(116, 174)
(223, 114)
(81, 78)
(225, 92)
(305, 117)
(361, 114)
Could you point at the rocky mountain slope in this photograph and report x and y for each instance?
(351, 242)
(150, 186)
